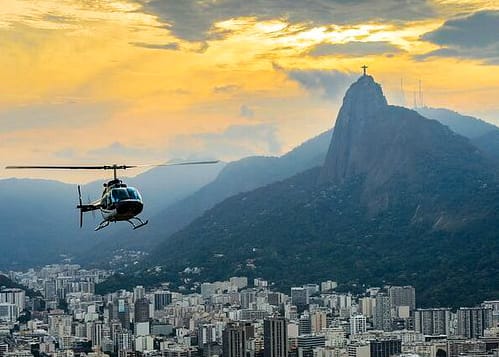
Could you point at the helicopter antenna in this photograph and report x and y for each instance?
(81, 204)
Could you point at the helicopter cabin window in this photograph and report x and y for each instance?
(129, 193)
(133, 193)
(119, 194)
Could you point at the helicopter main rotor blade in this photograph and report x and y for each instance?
(109, 167)
(179, 164)
(63, 167)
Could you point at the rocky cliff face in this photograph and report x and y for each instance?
(349, 151)
(386, 145)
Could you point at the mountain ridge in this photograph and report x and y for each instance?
(409, 220)
(239, 176)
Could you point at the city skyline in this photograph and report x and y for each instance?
(63, 315)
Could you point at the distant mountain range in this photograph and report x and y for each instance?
(483, 135)
(240, 176)
(253, 172)
(399, 199)
(40, 223)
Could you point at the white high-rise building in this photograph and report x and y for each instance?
(14, 296)
(312, 288)
(367, 305)
(139, 292)
(318, 321)
(473, 321)
(328, 285)
(206, 334)
(433, 322)
(362, 349)
(240, 281)
(382, 313)
(144, 343)
(8, 312)
(358, 324)
(60, 325)
(97, 334)
(344, 304)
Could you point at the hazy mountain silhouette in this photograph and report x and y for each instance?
(464, 125)
(483, 135)
(400, 199)
(246, 175)
(489, 144)
(236, 177)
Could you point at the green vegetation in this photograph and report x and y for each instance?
(400, 200)
(294, 232)
(7, 283)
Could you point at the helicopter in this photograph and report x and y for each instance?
(119, 202)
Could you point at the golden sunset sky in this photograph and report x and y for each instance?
(94, 82)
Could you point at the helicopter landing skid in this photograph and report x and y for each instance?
(140, 223)
(101, 225)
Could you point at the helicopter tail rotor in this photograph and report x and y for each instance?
(90, 207)
(80, 206)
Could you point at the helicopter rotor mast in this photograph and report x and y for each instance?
(116, 168)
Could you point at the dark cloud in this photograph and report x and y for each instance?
(226, 88)
(171, 46)
(472, 37)
(174, 46)
(192, 20)
(246, 112)
(59, 19)
(328, 84)
(354, 49)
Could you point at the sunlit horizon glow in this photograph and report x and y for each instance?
(112, 81)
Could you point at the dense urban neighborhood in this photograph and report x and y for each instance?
(54, 311)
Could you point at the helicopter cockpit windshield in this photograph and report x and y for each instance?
(128, 193)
